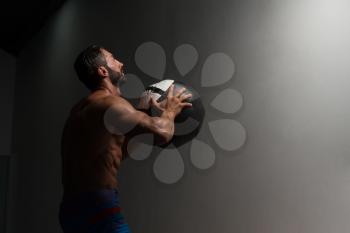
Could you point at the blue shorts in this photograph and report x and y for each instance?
(92, 212)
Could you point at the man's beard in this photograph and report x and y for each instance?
(117, 78)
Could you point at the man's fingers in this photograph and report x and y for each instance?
(144, 100)
(184, 97)
(156, 104)
(186, 104)
(180, 92)
(171, 91)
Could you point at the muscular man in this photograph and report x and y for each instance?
(91, 154)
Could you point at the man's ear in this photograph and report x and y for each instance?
(102, 71)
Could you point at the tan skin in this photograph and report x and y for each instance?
(91, 155)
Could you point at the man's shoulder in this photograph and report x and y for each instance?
(111, 100)
(108, 101)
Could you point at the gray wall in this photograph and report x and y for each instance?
(292, 175)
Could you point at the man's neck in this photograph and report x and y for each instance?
(111, 89)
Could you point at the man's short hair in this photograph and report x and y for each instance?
(87, 63)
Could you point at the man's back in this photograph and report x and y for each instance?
(91, 155)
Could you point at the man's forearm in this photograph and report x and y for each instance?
(165, 126)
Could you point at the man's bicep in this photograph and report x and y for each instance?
(122, 118)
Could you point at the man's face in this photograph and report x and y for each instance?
(115, 69)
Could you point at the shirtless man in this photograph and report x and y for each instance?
(91, 155)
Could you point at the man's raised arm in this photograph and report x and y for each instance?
(124, 119)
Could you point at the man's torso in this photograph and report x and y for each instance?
(91, 156)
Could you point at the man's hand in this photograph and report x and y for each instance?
(174, 101)
(144, 103)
